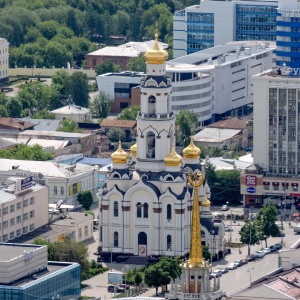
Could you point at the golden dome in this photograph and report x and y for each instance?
(173, 159)
(205, 202)
(119, 156)
(156, 55)
(133, 149)
(191, 151)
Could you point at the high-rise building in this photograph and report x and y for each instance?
(215, 23)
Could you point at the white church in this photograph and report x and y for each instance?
(146, 203)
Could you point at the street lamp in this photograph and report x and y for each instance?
(111, 246)
(35, 59)
(124, 272)
(285, 191)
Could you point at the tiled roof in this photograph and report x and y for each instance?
(118, 123)
(232, 123)
(16, 123)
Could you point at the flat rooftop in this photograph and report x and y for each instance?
(10, 251)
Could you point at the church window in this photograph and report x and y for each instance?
(169, 212)
(146, 208)
(151, 99)
(116, 209)
(139, 210)
(202, 234)
(169, 242)
(116, 239)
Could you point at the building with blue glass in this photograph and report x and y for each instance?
(288, 37)
(25, 274)
(215, 23)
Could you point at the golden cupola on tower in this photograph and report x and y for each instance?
(133, 149)
(156, 55)
(173, 159)
(119, 156)
(205, 202)
(191, 151)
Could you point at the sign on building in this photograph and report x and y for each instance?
(250, 180)
(23, 184)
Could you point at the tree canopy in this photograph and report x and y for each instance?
(116, 134)
(107, 66)
(69, 126)
(186, 123)
(129, 113)
(100, 105)
(85, 198)
(137, 64)
(25, 152)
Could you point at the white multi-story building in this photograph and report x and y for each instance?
(4, 60)
(213, 83)
(24, 212)
(64, 181)
(217, 22)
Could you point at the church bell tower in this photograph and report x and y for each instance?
(155, 121)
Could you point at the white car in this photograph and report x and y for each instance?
(267, 250)
(260, 254)
(228, 228)
(232, 266)
(225, 207)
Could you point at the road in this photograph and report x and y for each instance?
(231, 282)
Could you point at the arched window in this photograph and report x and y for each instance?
(139, 210)
(202, 234)
(146, 208)
(116, 239)
(169, 242)
(169, 212)
(116, 209)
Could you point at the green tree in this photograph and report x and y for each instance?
(138, 279)
(210, 173)
(25, 152)
(79, 89)
(85, 198)
(267, 216)
(116, 134)
(69, 126)
(186, 122)
(170, 266)
(14, 108)
(248, 235)
(101, 104)
(43, 114)
(3, 111)
(48, 29)
(137, 64)
(107, 66)
(216, 152)
(226, 186)
(155, 276)
(57, 54)
(129, 113)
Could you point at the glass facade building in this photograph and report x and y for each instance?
(200, 31)
(255, 22)
(63, 284)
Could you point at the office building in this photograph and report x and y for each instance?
(22, 212)
(215, 23)
(4, 60)
(25, 274)
(213, 83)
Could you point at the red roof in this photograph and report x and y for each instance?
(118, 123)
(11, 123)
(232, 123)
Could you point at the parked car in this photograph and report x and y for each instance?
(267, 250)
(117, 289)
(278, 246)
(232, 266)
(216, 273)
(239, 262)
(228, 228)
(260, 254)
(224, 270)
(280, 233)
(245, 260)
(251, 257)
(127, 287)
(273, 248)
(225, 207)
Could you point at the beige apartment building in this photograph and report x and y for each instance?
(22, 212)
(4, 55)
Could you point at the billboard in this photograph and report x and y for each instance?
(115, 277)
(23, 184)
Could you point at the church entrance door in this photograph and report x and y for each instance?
(142, 244)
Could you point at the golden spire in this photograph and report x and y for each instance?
(119, 156)
(191, 151)
(196, 257)
(205, 202)
(173, 159)
(156, 55)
